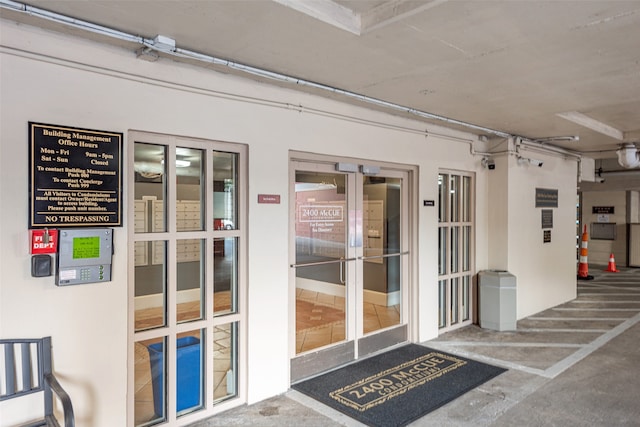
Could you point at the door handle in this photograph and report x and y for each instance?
(306, 264)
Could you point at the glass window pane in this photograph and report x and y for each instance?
(381, 235)
(225, 190)
(381, 279)
(381, 216)
(466, 289)
(454, 197)
(151, 288)
(455, 296)
(321, 237)
(374, 226)
(466, 248)
(225, 275)
(466, 198)
(442, 250)
(320, 217)
(150, 170)
(190, 271)
(455, 231)
(443, 181)
(189, 378)
(442, 303)
(320, 316)
(190, 189)
(150, 374)
(225, 363)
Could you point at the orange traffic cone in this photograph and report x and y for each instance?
(611, 268)
(583, 266)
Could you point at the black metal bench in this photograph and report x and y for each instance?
(19, 379)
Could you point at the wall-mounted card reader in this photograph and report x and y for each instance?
(84, 256)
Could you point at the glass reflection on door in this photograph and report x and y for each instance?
(382, 254)
(225, 249)
(321, 237)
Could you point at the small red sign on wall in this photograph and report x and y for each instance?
(269, 198)
(44, 245)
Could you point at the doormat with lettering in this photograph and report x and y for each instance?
(399, 386)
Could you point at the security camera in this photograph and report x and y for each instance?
(535, 162)
(488, 163)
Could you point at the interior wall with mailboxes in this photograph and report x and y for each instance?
(58, 79)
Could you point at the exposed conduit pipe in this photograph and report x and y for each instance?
(149, 43)
(184, 53)
(72, 22)
(547, 148)
(336, 91)
(625, 173)
(536, 146)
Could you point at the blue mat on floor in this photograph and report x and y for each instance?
(395, 388)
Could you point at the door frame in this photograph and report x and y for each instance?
(349, 351)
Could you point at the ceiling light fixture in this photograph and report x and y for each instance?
(628, 156)
(180, 163)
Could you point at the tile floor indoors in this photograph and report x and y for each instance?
(320, 319)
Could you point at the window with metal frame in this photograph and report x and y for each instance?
(187, 278)
(456, 261)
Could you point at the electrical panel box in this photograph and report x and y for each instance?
(603, 230)
(84, 256)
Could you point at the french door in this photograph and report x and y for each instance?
(456, 259)
(187, 278)
(350, 267)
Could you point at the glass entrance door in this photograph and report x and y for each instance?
(323, 258)
(350, 264)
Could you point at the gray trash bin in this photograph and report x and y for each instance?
(497, 300)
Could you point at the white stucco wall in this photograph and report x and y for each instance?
(51, 78)
(545, 272)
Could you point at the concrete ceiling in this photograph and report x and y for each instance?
(536, 69)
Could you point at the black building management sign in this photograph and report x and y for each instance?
(75, 177)
(604, 210)
(547, 218)
(546, 198)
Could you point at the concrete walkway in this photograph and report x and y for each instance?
(577, 364)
